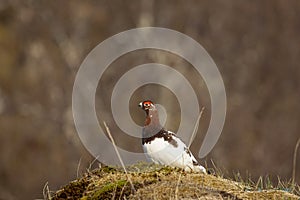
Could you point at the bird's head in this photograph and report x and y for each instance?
(152, 119)
(147, 105)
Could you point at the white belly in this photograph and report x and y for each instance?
(162, 152)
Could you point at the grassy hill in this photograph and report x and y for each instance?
(145, 181)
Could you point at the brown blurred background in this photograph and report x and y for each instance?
(255, 44)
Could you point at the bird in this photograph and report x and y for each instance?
(163, 146)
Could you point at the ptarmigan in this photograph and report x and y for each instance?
(162, 146)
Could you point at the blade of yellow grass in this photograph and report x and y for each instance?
(119, 156)
(196, 127)
(294, 163)
(177, 185)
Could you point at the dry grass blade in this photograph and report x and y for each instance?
(91, 164)
(78, 167)
(196, 127)
(119, 157)
(259, 184)
(294, 163)
(46, 192)
(177, 187)
(217, 171)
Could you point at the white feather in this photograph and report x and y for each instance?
(162, 152)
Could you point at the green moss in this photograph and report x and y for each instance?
(108, 190)
(108, 169)
(111, 186)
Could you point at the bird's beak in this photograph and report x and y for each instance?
(141, 104)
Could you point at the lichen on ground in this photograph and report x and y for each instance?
(157, 182)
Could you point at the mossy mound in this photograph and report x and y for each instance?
(156, 182)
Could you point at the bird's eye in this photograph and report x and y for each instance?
(147, 104)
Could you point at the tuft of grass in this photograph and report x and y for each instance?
(150, 181)
(158, 182)
(263, 183)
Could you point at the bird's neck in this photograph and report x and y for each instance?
(152, 118)
(152, 124)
